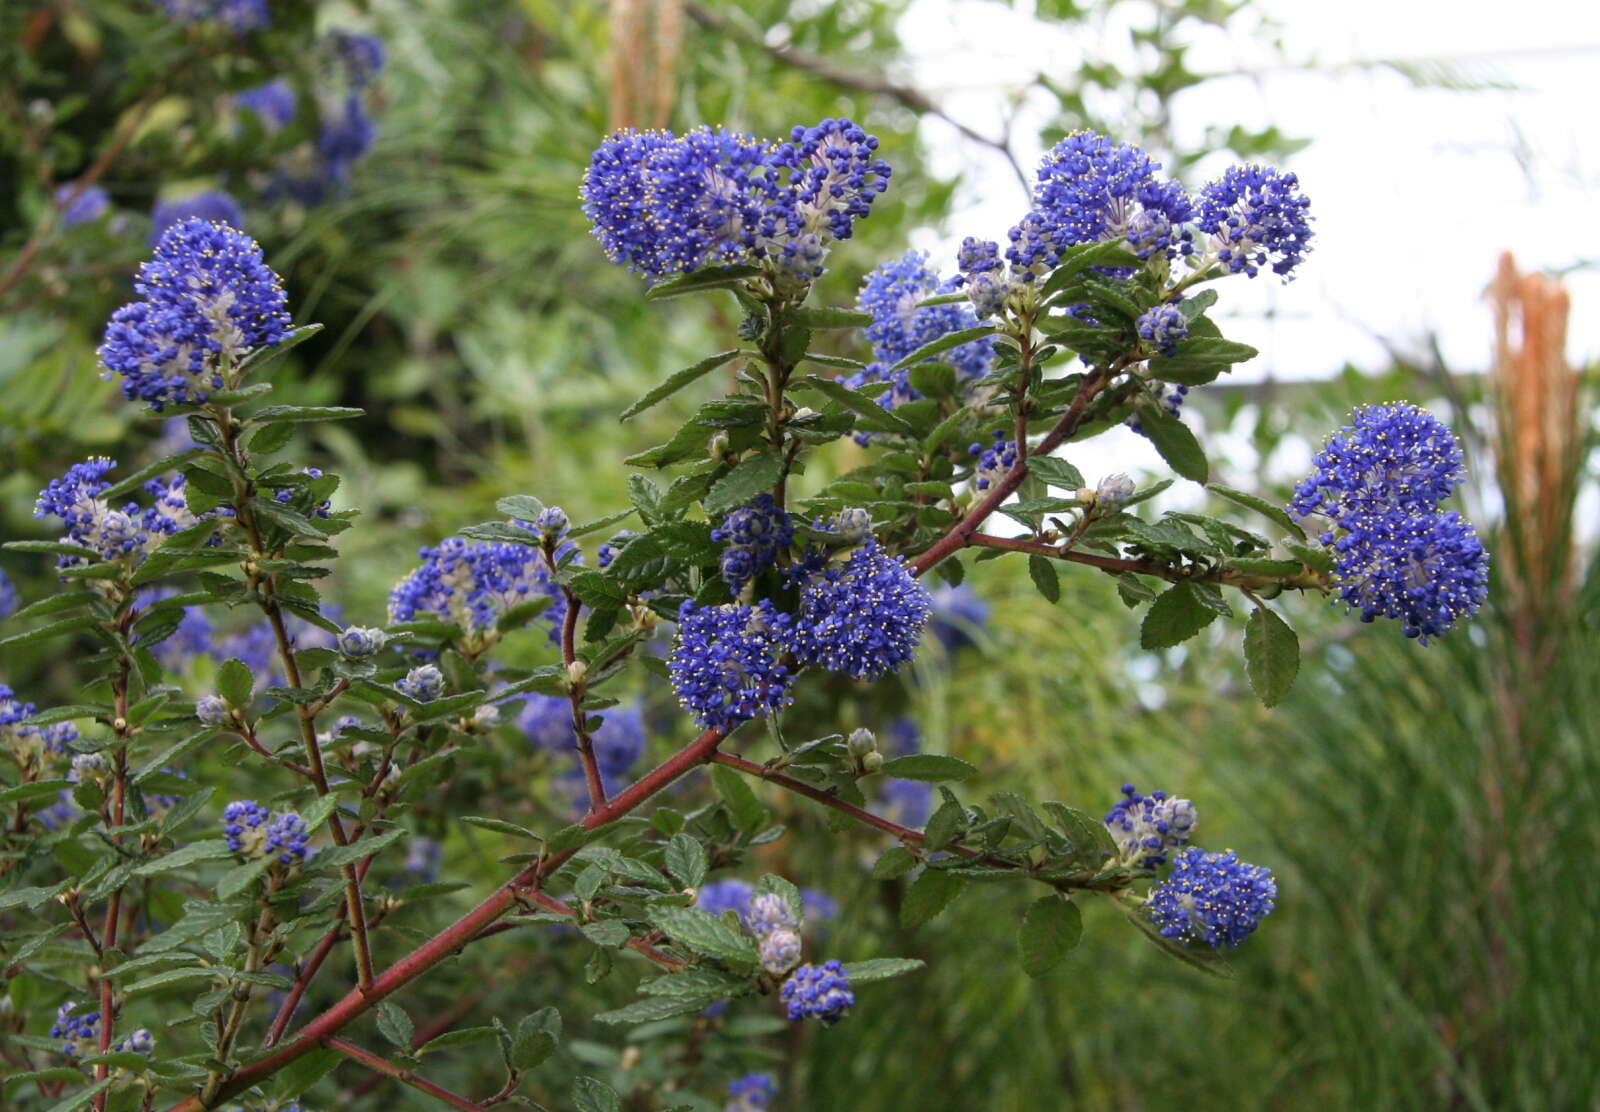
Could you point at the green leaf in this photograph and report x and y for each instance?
(1175, 442)
(677, 381)
(59, 1073)
(1051, 928)
(339, 856)
(1199, 359)
(698, 281)
(931, 767)
(29, 898)
(394, 1024)
(947, 821)
(863, 405)
(52, 629)
(83, 1096)
(235, 683)
(1043, 573)
(928, 895)
(536, 1039)
(240, 877)
(828, 316)
(1260, 506)
(686, 860)
(706, 934)
(748, 812)
(273, 414)
(1056, 472)
(880, 969)
(35, 790)
(265, 356)
(1081, 257)
(748, 479)
(137, 480)
(171, 977)
(654, 1008)
(460, 1037)
(1271, 655)
(934, 380)
(945, 343)
(211, 849)
(302, 1073)
(895, 861)
(1177, 615)
(500, 826)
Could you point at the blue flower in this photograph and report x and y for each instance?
(618, 742)
(236, 15)
(751, 1093)
(1163, 327)
(286, 838)
(211, 710)
(994, 461)
(753, 535)
(1257, 217)
(242, 823)
(770, 912)
(472, 583)
(834, 174)
(725, 895)
(1147, 827)
(79, 1033)
(212, 206)
(113, 534)
(1092, 190)
(361, 641)
(862, 617)
(88, 206)
(8, 596)
(818, 992)
(957, 613)
(361, 55)
(1388, 456)
(1426, 570)
(272, 103)
(209, 300)
(1212, 898)
(725, 664)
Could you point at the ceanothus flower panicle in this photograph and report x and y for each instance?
(1388, 456)
(861, 614)
(725, 665)
(818, 992)
(78, 1031)
(994, 460)
(725, 895)
(1147, 827)
(1212, 898)
(424, 683)
(1163, 327)
(88, 205)
(209, 300)
(272, 103)
(1256, 217)
(752, 536)
(472, 583)
(112, 534)
(236, 15)
(8, 596)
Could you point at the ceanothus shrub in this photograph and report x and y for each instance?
(189, 947)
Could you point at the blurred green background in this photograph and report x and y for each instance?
(1431, 814)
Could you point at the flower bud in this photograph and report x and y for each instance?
(872, 762)
(359, 641)
(861, 743)
(853, 525)
(211, 710)
(576, 671)
(780, 951)
(552, 522)
(88, 766)
(1114, 490)
(424, 684)
(486, 717)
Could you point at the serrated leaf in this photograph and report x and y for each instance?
(500, 826)
(1051, 928)
(82, 1097)
(170, 977)
(677, 381)
(863, 405)
(945, 343)
(828, 316)
(1176, 615)
(1056, 472)
(698, 281)
(273, 414)
(928, 895)
(1043, 574)
(895, 861)
(686, 860)
(394, 1024)
(1271, 655)
(1260, 506)
(748, 812)
(235, 683)
(706, 934)
(880, 969)
(339, 856)
(654, 1008)
(931, 767)
(1176, 443)
(209, 850)
(748, 479)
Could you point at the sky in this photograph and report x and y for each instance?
(1415, 190)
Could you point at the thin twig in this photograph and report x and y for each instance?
(389, 1069)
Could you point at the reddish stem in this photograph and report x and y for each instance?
(389, 1069)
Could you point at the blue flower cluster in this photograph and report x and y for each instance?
(212, 205)
(424, 683)
(862, 617)
(546, 721)
(1378, 484)
(112, 534)
(752, 536)
(994, 461)
(88, 206)
(209, 299)
(250, 829)
(890, 293)
(79, 1033)
(818, 992)
(736, 896)
(751, 1093)
(1212, 898)
(725, 665)
(236, 15)
(663, 204)
(471, 583)
(1163, 327)
(1257, 217)
(8, 596)
(272, 103)
(1148, 827)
